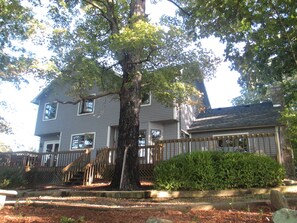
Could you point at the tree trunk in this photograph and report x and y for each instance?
(130, 101)
(126, 174)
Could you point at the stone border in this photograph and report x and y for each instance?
(155, 194)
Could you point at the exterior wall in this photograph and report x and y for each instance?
(187, 114)
(103, 121)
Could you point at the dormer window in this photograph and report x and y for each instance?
(86, 106)
(50, 111)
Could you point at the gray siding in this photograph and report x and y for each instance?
(105, 116)
(187, 114)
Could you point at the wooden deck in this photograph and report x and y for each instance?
(77, 166)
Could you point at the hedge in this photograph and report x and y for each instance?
(218, 170)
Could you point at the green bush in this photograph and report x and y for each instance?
(217, 170)
(11, 178)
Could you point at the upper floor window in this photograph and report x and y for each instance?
(82, 141)
(86, 106)
(50, 111)
(146, 99)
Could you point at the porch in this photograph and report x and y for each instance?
(76, 167)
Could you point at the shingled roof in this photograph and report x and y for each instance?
(253, 115)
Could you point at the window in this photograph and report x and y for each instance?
(86, 106)
(155, 134)
(50, 111)
(82, 141)
(141, 142)
(141, 138)
(233, 143)
(146, 99)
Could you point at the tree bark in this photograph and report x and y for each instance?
(130, 101)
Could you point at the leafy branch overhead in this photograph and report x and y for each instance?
(260, 38)
(90, 49)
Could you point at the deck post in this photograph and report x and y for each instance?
(278, 147)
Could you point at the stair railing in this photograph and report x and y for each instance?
(76, 166)
(99, 167)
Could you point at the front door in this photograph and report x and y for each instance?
(50, 159)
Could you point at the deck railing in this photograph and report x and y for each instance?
(76, 166)
(33, 159)
(101, 167)
(252, 143)
(65, 165)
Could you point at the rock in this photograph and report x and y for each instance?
(277, 199)
(285, 215)
(158, 220)
(174, 212)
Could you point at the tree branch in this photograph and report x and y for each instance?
(87, 97)
(180, 8)
(108, 68)
(285, 32)
(108, 15)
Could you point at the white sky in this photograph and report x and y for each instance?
(22, 113)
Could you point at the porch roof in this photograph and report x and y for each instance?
(253, 115)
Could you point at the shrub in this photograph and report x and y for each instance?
(12, 178)
(217, 170)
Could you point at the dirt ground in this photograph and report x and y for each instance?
(30, 214)
(47, 209)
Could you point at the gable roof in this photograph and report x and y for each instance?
(243, 116)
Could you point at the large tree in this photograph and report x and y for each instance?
(113, 45)
(260, 38)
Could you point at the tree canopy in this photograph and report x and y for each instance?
(91, 38)
(260, 38)
(17, 24)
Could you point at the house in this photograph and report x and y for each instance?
(93, 123)
(68, 130)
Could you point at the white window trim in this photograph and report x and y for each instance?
(50, 142)
(150, 98)
(84, 133)
(86, 113)
(45, 120)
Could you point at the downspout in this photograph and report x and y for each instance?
(278, 146)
